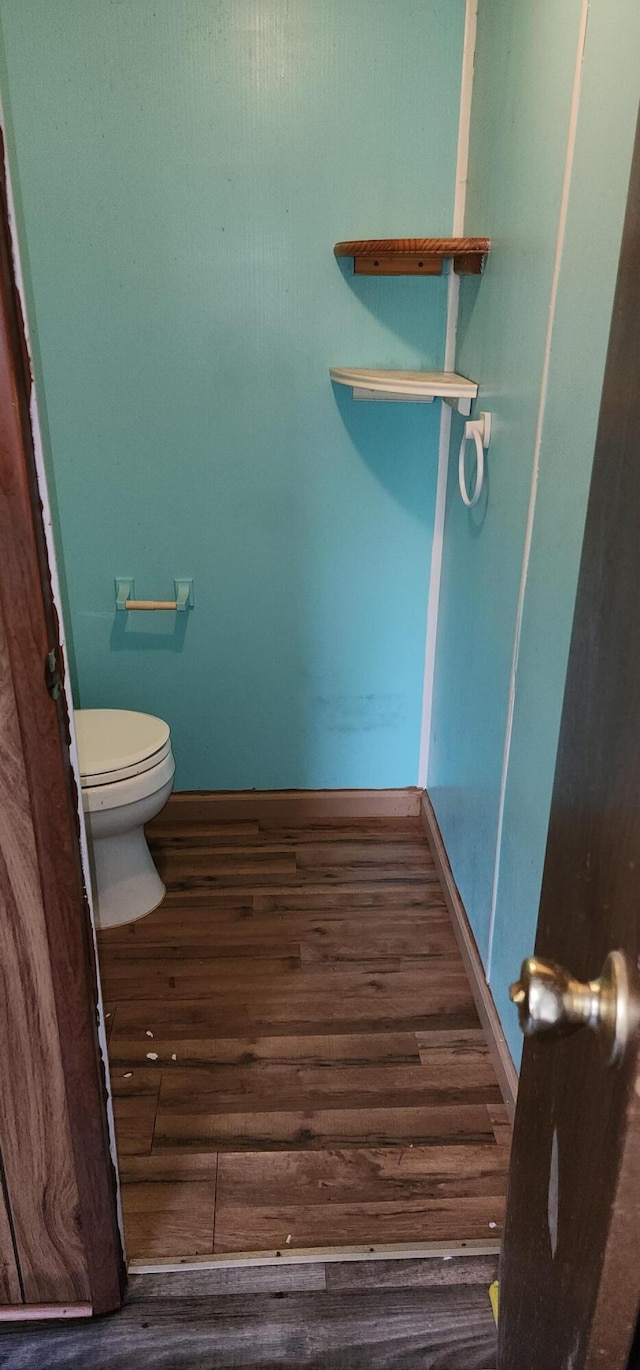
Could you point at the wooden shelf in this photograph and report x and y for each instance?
(414, 256)
(414, 386)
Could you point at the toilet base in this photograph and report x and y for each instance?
(125, 881)
(126, 884)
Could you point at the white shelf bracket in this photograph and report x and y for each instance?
(459, 404)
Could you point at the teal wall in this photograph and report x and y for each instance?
(525, 64)
(182, 170)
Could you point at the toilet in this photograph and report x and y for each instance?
(126, 769)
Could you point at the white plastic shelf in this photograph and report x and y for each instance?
(414, 386)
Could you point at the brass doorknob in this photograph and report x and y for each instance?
(548, 998)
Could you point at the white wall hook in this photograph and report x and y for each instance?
(480, 430)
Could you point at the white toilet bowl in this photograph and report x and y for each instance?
(126, 769)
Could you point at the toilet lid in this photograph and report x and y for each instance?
(116, 743)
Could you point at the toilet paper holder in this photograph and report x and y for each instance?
(125, 596)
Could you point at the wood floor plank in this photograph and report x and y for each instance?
(448, 1328)
(361, 904)
(135, 1093)
(343, 1224)
(134, 1119)
(360, 870)
(306, 1000)
(129, 963)
(368, 1175)
(169, 1215)
(363, 830)
(377, 838)
(463, 1051)
(193, 869)
(412, 1274)
(210, 944)
(183, 919)
(222, 900)
(193, 977)
(332, 934)
(440, 981)
(354, 1049)
(404, 858)
(247, 859)
(320, 1128)
(168, 832)
(191, 1166)
(283, 1278)
(338, 941)
(142, 1080)
(238, 1088)
(185, 884)
(182, 881)
(365, 904)
(177, 1019)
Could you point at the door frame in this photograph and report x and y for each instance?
(32, 624)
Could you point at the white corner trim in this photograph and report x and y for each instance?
(433, 599)
(464, 122)
(453, 292)
(535, 469)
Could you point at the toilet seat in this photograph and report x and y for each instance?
(128, 790)
(118, 744)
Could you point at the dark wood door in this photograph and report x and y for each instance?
(59, 1240)
(570, 1280)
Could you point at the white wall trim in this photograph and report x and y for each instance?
(453, 290)
(535, 469)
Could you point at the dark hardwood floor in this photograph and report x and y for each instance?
(295, 1053)
(375, 1315)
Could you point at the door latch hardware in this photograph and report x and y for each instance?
(548, 998)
